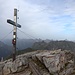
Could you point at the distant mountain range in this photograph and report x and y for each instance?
(6, 46)
(54, 45)
(5, 50)
(26, 45)
(22, 44)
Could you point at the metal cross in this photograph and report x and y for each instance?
(15, 25)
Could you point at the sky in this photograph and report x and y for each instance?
(44, 19)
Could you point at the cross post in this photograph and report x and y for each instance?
(15, 25)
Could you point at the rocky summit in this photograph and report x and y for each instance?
(40, 62)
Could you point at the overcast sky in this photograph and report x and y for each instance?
(45, 19)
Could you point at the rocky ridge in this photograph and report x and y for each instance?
(41, 62)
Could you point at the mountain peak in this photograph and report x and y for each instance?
(40, 62)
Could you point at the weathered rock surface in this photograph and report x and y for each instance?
(41, 62)
(18, 65)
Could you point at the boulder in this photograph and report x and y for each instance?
(63, 61)
(15, 66)
(7, 67)
(55, 62)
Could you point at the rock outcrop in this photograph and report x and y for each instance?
(41, 62)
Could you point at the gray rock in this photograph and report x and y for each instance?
(18, 65)
(7, 67)
(55, 62)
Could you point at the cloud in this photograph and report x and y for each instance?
(46, 19)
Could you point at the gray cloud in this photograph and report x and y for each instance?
(45, 19)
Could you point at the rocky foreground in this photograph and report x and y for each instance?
(41, 62)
